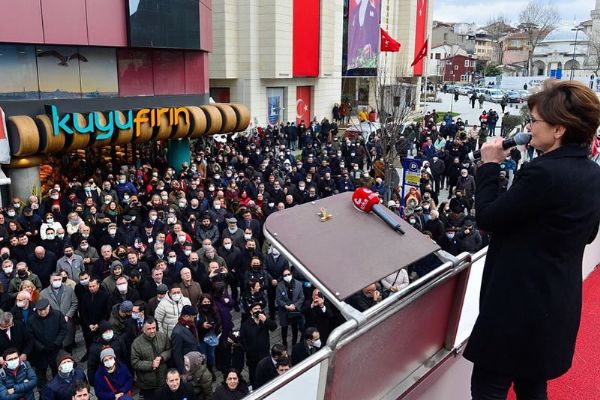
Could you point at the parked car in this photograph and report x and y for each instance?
(465, 90)
(513, 96)
(494, 95)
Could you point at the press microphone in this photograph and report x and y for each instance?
(518, 139)
(366, 200)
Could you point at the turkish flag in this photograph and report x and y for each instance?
(420, 37)
(420, 55)
(303, 104)
(388, 43)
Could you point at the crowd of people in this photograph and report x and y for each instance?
(155, 266)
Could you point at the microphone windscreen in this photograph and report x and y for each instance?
(522, 138)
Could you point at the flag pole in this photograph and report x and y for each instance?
(426, 71)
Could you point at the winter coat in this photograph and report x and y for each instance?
(66, 303)
(530, 301)
(99, 344)
(48, 332)
(184, 392)
(60, 388)
(23, 390)
(120, 380)
(15, 284)
(283, 299)
(168, 311)
(183, 341)
(143, 351)
(255, 338)
(199, 376)
(224, 393)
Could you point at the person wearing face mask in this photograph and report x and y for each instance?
(110, 282)
(48, 329)
(128, 230)
(168, 310)
(218, 214)
(71, 263)
(61, 386)
(113, 236)
(13, 334)
(207, 230)
(234, 233)
(87, 252)
(113, 380)
(49, 222)
(105, 338)
(307, 347)
(8, 272)
(466, 183)
(23, 274)
(123, 292)
(17, 378)
(184, 337)
(125, 187)
(274, 264)
(289, 299)
(62, 299)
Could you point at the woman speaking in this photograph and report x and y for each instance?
(530, 301)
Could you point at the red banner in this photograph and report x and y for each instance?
(303, 104)
(420, 34)
(306, 22)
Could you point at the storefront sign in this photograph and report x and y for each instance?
(69, 123)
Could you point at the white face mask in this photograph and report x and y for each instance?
(112, 231)
(176, 297)
(56, 284)
(84, 247)
(153, 218)
(217, 206)
(275, 253)
(8, 270)
(171, 220)
(181, 239)
(61, 235)
(109, 363)
(187, 252)
(317, 343)
(288, 278)
(108, 335)
(227, 246)
(50, 220)
(122, 288)
(84, 282)
(172, 260)
(12, 364)
(66, 368)
(247, 236)
(160, 252)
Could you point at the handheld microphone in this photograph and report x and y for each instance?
(518, 139)
(366, 200)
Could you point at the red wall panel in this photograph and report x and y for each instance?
(306, 22)
(195, 72)
(206, 31)
(64, 22)
(106, 22)
(169, 72)
(303, 104)
(135, 72)
(21, 21)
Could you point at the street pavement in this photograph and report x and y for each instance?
(463, 107)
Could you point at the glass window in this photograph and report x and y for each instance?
(99, 72)
(18, 72)
(58, 71)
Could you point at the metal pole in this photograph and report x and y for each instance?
(576, 29)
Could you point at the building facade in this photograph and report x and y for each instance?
(562, 54)
(281, 58)
(459, 68)
(75, 73)
(436, 65)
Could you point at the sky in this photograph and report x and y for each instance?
(481, 12)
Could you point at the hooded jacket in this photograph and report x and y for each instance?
(168, 311)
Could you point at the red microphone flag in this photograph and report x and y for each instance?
(388, 43)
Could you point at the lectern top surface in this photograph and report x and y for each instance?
(351, 249)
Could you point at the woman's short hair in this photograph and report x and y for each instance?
(570, 104)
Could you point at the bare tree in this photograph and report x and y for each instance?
(594, 51)
(395, 102)
(497, 28)
(537, 20)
